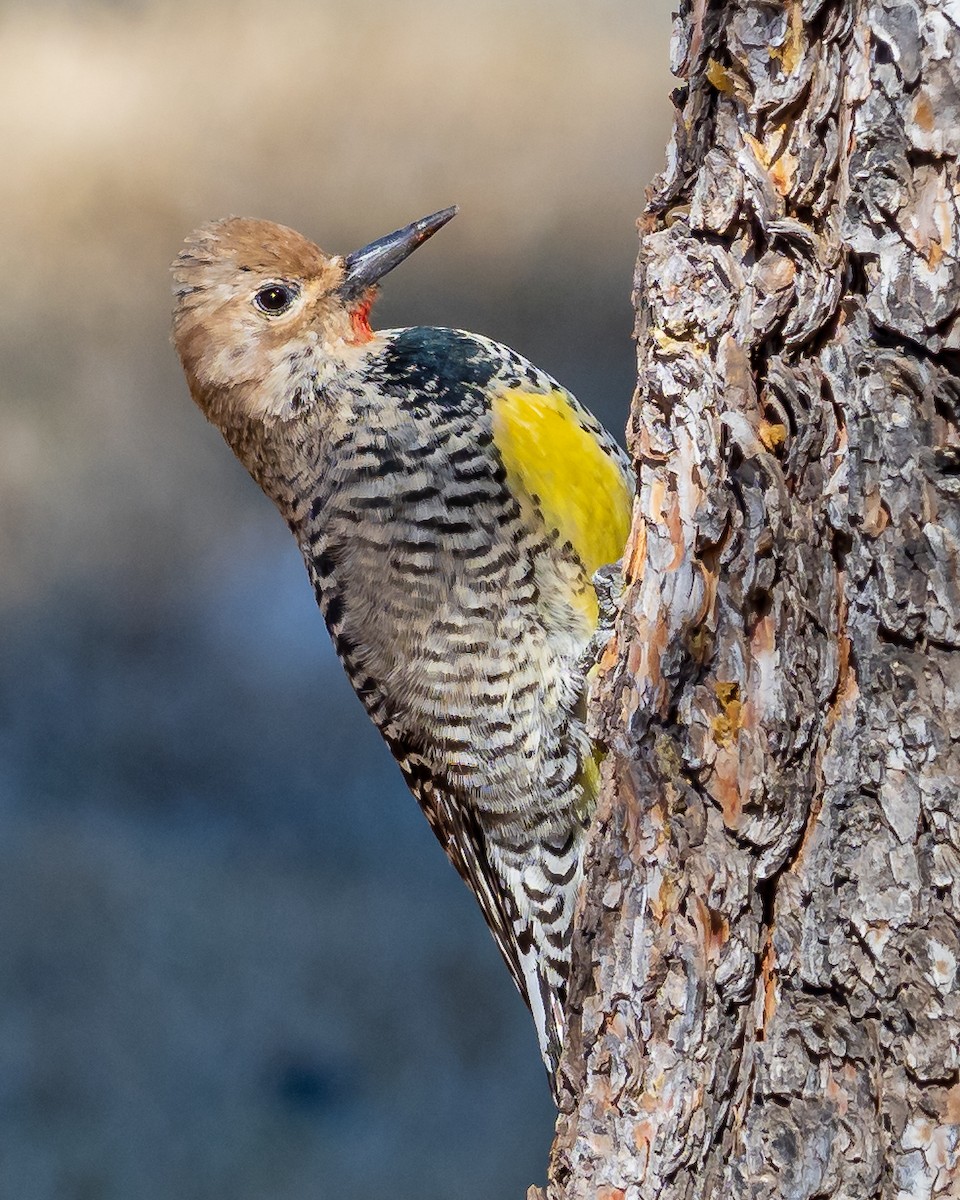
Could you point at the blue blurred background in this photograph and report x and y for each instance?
(234, 961)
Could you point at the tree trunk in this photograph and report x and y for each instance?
(765, 998)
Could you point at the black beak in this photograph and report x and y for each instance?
(370, 263)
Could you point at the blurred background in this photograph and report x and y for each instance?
(234, 961)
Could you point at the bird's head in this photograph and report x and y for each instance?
(263, 317)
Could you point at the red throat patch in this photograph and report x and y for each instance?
(360, 321)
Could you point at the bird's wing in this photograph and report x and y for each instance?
(456, 828)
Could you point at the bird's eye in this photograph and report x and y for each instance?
(275, 298)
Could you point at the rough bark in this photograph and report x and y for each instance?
(766, 997)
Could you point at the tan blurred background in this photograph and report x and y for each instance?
(235, 963)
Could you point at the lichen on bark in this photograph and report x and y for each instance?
(766, 999)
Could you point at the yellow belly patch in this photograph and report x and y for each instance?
(556, 464)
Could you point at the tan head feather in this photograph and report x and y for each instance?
(252, 301)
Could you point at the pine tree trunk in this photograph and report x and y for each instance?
(766, 998)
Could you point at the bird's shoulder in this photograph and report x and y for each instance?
(439, 366)
(558, 457)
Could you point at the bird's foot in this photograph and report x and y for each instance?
(608, 583)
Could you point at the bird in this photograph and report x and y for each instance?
(455, 507)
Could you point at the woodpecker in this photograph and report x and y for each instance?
(452, 503)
